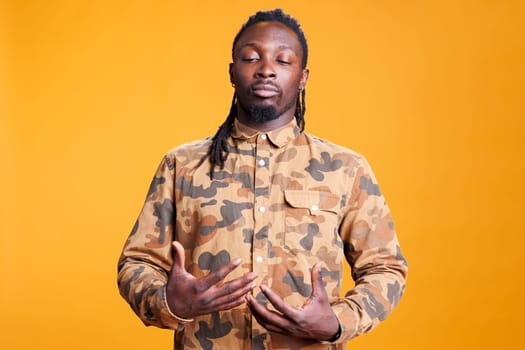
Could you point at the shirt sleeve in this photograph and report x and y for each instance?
(146, 258)
(372, 250)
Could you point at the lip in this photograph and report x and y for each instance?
(265, 90)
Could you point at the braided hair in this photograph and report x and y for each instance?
(219, 149)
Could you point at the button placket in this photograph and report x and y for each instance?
(261, 204)
(262, 217)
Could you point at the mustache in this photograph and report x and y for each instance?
(265, 85)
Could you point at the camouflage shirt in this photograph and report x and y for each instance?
(284, 201)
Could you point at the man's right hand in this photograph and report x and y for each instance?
(188, 296)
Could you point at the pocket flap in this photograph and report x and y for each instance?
(314, 201)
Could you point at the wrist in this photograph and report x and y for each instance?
(178, 318)
(335, 337)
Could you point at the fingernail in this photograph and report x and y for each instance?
(252, 275)
(237, 261)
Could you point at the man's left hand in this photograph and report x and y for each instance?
(314, 320)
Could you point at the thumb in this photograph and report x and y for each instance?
(318, 290)
(179, 257)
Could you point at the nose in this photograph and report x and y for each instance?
(265, 69)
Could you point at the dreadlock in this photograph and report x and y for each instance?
(219, 149)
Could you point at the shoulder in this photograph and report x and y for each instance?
(335, 151)
(191, 152)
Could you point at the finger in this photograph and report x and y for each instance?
(230, 305)
(219, 298)
(275, 329)
(279, 303)
(318, 290)
(270, 320)
(219, 274)
(179, 257)
(236, 287)
(271, 327)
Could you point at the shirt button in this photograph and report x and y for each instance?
(259, 259)
(261, 162)
(262, 209)
(314, 208)
(263, 136)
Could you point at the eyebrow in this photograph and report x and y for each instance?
(282, 47)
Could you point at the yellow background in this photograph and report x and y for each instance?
(92, 93)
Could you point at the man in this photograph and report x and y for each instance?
(241, 240)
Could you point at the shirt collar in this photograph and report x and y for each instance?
(279, 137)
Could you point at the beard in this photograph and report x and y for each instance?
(261, 114)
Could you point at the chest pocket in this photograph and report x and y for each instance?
(311, 221)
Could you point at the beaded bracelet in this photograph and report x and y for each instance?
(180, 319)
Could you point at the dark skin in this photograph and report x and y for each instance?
(313, 320)
(266, 71)
(188, 296)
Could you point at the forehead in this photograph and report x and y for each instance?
(269, 33)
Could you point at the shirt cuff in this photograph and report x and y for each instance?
(348, 322)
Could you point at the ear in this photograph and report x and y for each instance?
(232, 79)
(304, 78)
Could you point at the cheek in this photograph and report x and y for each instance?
(290, 79)
(291, 87)
(242, 76)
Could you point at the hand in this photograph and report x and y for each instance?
(314, 320)
(188, 296)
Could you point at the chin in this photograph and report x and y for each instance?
(263, 113)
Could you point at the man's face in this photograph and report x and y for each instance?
(267, 72)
